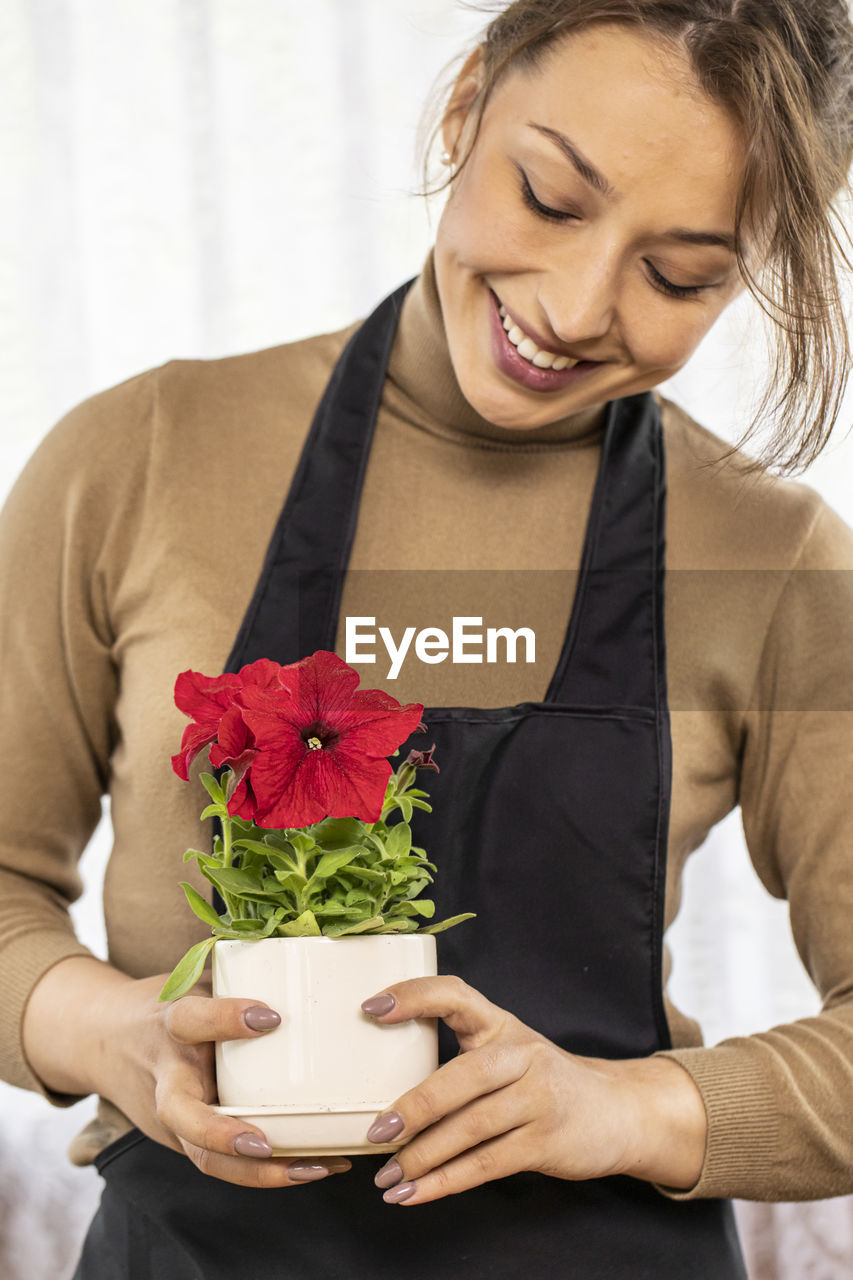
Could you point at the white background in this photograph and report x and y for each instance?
(188, 178)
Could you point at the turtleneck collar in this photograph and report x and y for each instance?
(425, 390)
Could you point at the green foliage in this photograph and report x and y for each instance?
(337, 878)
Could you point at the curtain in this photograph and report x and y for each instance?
(197, 178)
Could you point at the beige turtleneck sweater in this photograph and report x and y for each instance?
(129, 550)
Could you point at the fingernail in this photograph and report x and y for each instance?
(396, 1194)
(377, 1005)
(339, 1166)
(386, 1127)
(306, 1171)
(251, 1144)
(389, 1174)
(261, 1019)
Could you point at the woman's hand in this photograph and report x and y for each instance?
(512, 1100)
(157, 1065)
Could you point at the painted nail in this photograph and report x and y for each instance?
(251, 1144)
(396, 1194)
(386, 1127)
(306, 1171)
(389, 1174)
(261, 1019)
(377, 1005)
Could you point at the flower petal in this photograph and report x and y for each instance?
(195, 738)
(204, 698)
(264, 674)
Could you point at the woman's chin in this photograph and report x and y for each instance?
(513, 408)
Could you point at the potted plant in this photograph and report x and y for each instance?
(321, 884)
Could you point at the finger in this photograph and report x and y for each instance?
(273, 1172)
(454, 1085)
(466, 1011)
(193, 1019)
(487, 1117)
(182, 1108)
(218, 1143)
(498, 1157)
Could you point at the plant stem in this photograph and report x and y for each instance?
(227, 840)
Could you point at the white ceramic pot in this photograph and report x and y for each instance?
(316, 1082)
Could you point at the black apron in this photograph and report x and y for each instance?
(550, 821)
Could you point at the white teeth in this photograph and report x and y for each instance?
(528, 348)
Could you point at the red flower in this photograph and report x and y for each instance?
(207, 700)
(322, 749)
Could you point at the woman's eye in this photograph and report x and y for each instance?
(543, 210)
(673, 290)
(659, 281)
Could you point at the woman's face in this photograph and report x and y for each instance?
(628, 274)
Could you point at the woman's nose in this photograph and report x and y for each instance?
(582, 301)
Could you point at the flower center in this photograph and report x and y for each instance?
(318, 736)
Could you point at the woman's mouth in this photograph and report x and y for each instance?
(519, 357)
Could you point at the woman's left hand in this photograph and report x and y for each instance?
(513, 1101)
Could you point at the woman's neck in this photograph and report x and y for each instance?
(424, 387)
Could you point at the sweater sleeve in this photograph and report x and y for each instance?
(62, 527)
(780, 1103)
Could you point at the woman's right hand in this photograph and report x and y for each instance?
(158, 1067)
(90, 1028)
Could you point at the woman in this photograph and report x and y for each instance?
(620, 170)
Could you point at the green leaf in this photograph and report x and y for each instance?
(212, 787)
(399, 841)
(193, 853)
(339, 930)
(405, 805)
(355, 896)
(213, 810)
(250, 930)
(291, 880)
(203, 909)
(187, 971)
(398, 926)
(421, 804)
(265, 849)
(418, 907)
(330, 863)
(273, 920)
(302, 844)
(366, 873)
(338, 832)
(304, 926)
(233, 880)
(341, 911)
(448, 924)
(414, 887)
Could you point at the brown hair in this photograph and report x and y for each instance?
(784, 68)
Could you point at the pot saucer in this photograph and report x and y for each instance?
(320, 1131)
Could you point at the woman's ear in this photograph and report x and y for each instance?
(465, 92)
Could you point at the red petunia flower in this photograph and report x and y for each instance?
(207, 700)
(321, 750)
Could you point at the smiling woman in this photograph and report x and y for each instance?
(484, 448)
(608, 121)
